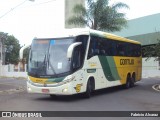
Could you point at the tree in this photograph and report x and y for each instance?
(99, 15)
(26, 54)
(152, 51)
(12, 48)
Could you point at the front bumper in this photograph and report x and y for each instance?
(65, 89)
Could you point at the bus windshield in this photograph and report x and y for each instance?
(49, 57)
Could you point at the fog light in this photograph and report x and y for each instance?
(65, 90)
(29, 89)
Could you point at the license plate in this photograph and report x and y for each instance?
(45, 90)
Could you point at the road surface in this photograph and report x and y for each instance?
(142, 97)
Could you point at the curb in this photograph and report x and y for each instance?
(156, 87)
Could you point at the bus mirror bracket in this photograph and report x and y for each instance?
(71, 48)
(22, 51)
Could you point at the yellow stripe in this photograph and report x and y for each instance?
(38, 80)
(115, 37)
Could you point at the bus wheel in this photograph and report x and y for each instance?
(52, 96)
(128, 82)
(132, 81)
(87, 94)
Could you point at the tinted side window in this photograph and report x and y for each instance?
(109, 47)
(121, 48)
(134, 50)
(93, 47)
(79, 51)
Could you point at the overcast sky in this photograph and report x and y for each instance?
(46, 17)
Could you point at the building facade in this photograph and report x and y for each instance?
(144, 29)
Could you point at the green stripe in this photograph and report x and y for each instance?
(109, 68)
(55, 79)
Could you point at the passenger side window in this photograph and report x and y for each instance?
(108, 47)
(121, 49)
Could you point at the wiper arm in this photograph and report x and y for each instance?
(49, 64)
(44, 61)
(43, 67)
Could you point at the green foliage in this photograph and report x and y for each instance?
(152, 51)
(26, 54)
(12, 48)
(157, 49)
(99, 15)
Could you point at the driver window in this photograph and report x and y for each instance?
(77, 58)
(93, 47)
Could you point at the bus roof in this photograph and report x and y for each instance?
(85, 31)
(112, 36)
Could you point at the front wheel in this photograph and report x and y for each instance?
(88, 92)
(53, 96)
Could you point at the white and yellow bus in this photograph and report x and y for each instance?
(81, 62)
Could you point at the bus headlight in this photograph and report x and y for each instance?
(69, 79)
(65, 90)
(29, 81)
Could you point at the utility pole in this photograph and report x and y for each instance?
(1, 50)
(1, 55)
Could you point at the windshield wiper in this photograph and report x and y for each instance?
(44, 61)
(43, 67)
(49, 64)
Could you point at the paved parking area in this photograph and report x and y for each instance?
(10, 85)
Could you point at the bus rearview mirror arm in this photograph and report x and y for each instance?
(22, 51)
(71, 48)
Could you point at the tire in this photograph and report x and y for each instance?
(88, 92)
(52, 96)
(128, 82)
(132, 83)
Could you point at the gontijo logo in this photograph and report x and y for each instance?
(126, 61)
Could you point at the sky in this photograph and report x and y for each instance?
(26, 20)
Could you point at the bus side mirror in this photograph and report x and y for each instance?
(71, 48)
(22, 50)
